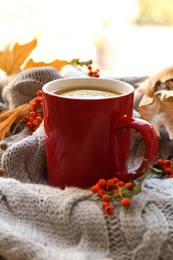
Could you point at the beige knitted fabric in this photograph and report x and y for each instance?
(39, 222)
(21, 87)
(25, 159)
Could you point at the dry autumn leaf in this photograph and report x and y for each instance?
(12, 58)
(8, 117)
(158, 111)
(156, 105)
(58, 64)
(165, 94)
(148, 86)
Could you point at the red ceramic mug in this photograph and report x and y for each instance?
(87, 136)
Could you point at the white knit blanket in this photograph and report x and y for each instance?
(39, 222)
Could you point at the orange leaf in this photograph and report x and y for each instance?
(6, 124)
(11, 60)
(8, 117)
(58, 64)
(4, 56)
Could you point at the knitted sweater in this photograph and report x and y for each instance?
(40, 222)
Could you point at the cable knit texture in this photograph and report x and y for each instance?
(40, 222)
(23, 85)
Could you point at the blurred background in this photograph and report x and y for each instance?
(123, 37)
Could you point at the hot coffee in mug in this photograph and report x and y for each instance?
(88, 125)
(87, 93)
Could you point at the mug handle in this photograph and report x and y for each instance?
(151, 144)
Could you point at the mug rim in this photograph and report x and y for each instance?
(51, 86)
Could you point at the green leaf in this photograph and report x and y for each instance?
(156, 170)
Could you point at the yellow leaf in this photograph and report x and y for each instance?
(58, 64)
(11, 60)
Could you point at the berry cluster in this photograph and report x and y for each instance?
(35, 117)
(88, 64)
(166, 167)
(93, 73)
(114, 188)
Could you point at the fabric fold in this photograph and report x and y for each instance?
(49, 225)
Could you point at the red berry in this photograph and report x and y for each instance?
(120, 183)
(39, 93)
(105, 204)
(125, 202)
(33, 109)
(116, 191)
(109, 187)
(40, 99)
(109, 210)
(96, 75)
(167, 163)
(31, 118)
(94, 188)
(102, 183)
(168, 170)
(105, 197)
(33, 114)
(160, 162)
(37, 100)
(90, 73)
(34, 105)
(115, 180)
(129, 185)
(39, 119)
(35, 117)
(101, 192)
(29, 125)
(27, 118)
(35, 122)
(110, 182)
